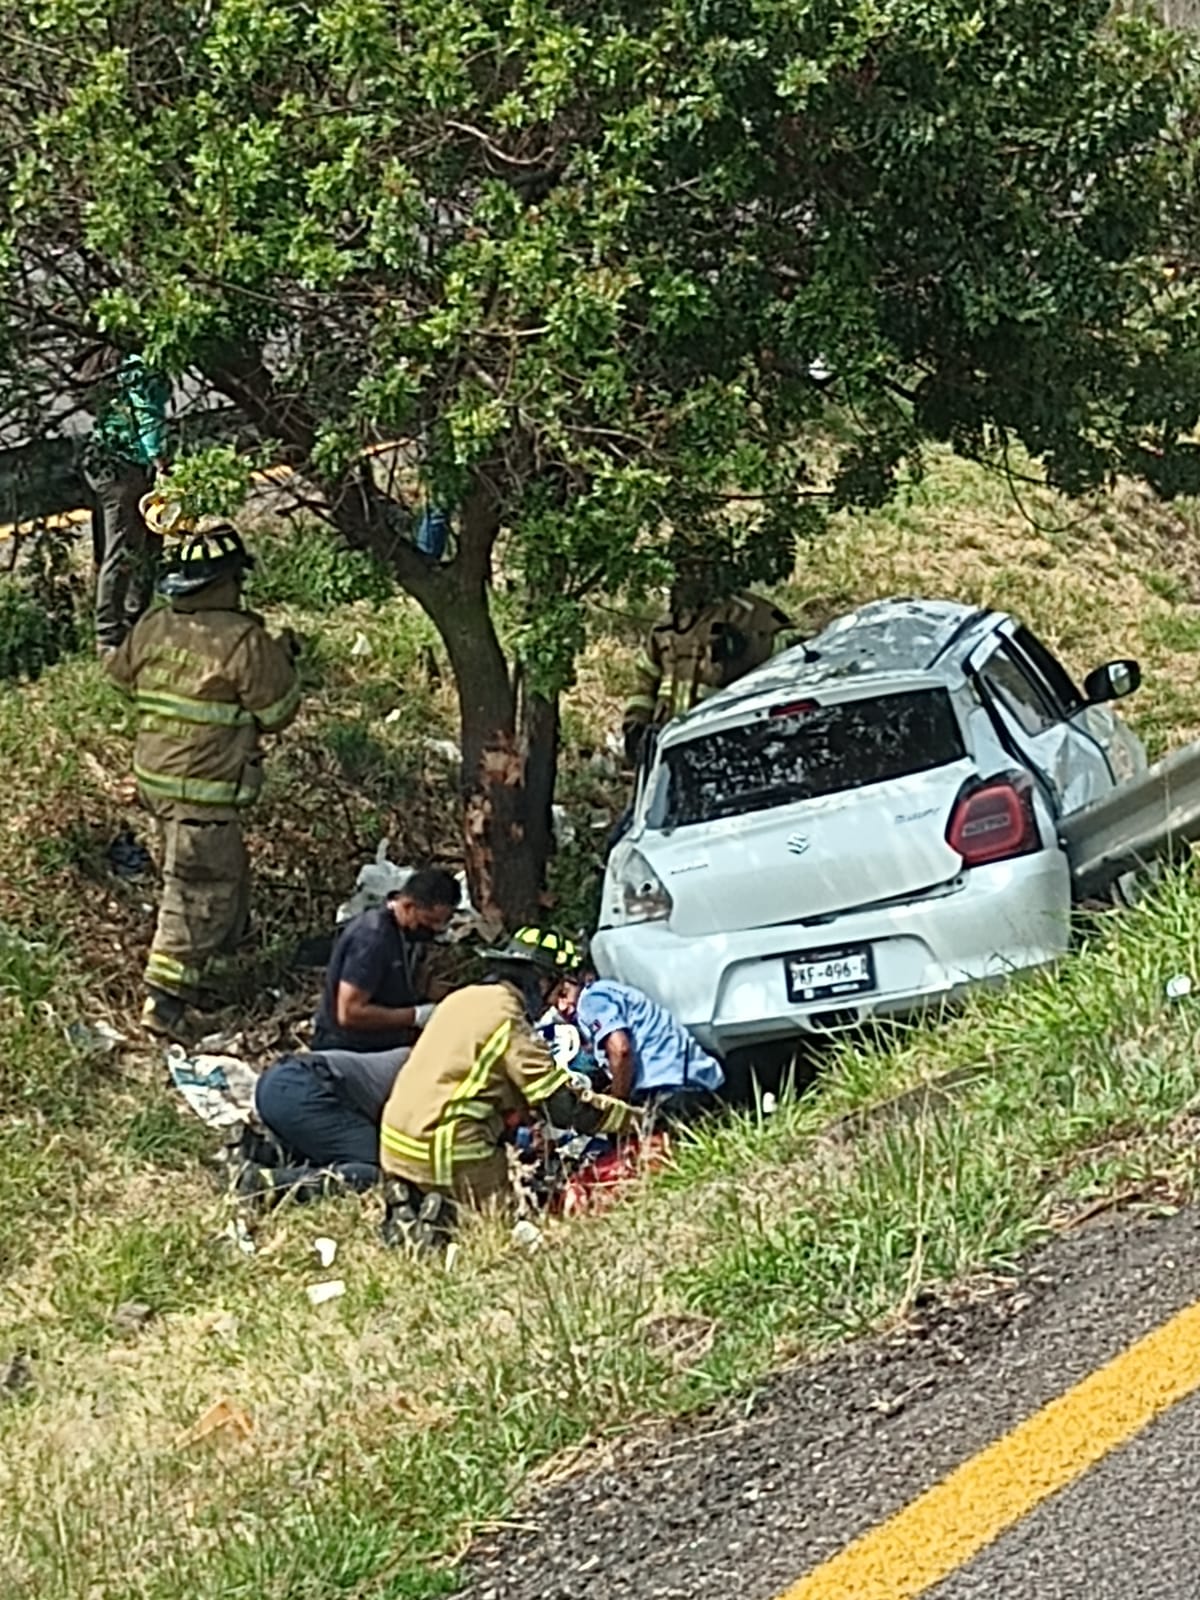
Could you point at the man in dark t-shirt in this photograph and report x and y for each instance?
(375, 982)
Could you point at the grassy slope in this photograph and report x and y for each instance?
(387, 1423)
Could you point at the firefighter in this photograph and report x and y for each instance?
(700, 647)
(208, 681)
(476, 1069)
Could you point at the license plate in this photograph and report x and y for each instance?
(825, 974)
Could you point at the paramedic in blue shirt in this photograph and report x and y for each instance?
(651, 1058)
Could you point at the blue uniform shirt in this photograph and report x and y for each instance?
(666, 1058)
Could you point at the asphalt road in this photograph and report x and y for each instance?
(1129, 1530)
(745, 1504)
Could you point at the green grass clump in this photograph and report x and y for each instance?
(308, 566)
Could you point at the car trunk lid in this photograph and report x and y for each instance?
(807, 811)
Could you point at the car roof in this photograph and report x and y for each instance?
(902, 638)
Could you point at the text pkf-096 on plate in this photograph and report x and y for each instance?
(826, 974)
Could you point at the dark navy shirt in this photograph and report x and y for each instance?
(374, 954)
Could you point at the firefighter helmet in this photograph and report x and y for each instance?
(206, 558)
(550, 952)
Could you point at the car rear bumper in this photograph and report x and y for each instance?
(729, 989)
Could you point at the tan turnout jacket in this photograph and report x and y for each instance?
(682, 665)
(207, 679)
(476, 1063)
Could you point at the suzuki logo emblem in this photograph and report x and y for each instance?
(797, 844)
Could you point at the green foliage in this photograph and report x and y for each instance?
(608, 267)
(311, 568)
(212, 481)
(37, 616)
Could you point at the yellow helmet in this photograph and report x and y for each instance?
(539, 947)
(163, 513)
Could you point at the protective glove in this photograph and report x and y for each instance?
(292, 642)
(616, 1116)
(422, 1015)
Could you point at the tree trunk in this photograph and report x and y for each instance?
(509, 741)
(539, 729)
(505, 845)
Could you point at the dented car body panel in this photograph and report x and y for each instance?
(825, 841)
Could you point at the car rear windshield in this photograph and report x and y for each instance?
(814, 751)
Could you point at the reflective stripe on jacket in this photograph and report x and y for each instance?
(476, 1063)
(682, 665)
(207, 679)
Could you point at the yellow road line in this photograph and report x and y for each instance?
(949, 1524)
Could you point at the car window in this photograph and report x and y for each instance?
(802, 753)
(1017, 692)
(1058, 680)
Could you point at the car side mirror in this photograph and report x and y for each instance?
(1111, 682)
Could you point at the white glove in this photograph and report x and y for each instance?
(422, 1014)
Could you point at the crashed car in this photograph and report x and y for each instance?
(863, 827)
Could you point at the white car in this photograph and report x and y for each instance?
(864, 826)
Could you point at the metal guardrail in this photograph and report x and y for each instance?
(1149, 819)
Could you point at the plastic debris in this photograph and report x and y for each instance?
(527, 1237)
(236, 1230)
(326, 1250)
(218, 1088)
(451, 1255)
(1179, 988)
(444, 749)
(128, 859)
(361, 646)
(221, 1421)
(219, 1044)
(565, 831)
(770, 1105)
(320, 1294)
(381, 877)
(131, 1317)
(97, 1038)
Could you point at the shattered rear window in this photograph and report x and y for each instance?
(816, 751)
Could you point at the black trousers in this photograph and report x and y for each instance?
(305, 1108)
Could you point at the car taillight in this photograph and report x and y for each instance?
(644, 896)
(994, 822)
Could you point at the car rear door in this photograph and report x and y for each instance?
(1043, 718)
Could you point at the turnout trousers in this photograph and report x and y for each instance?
(125, 550)
(205, 908)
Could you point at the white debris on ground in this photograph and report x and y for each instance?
(445, 749)
(320, 1294)
(381, 877)
(219, 1089)
(97, 1038)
